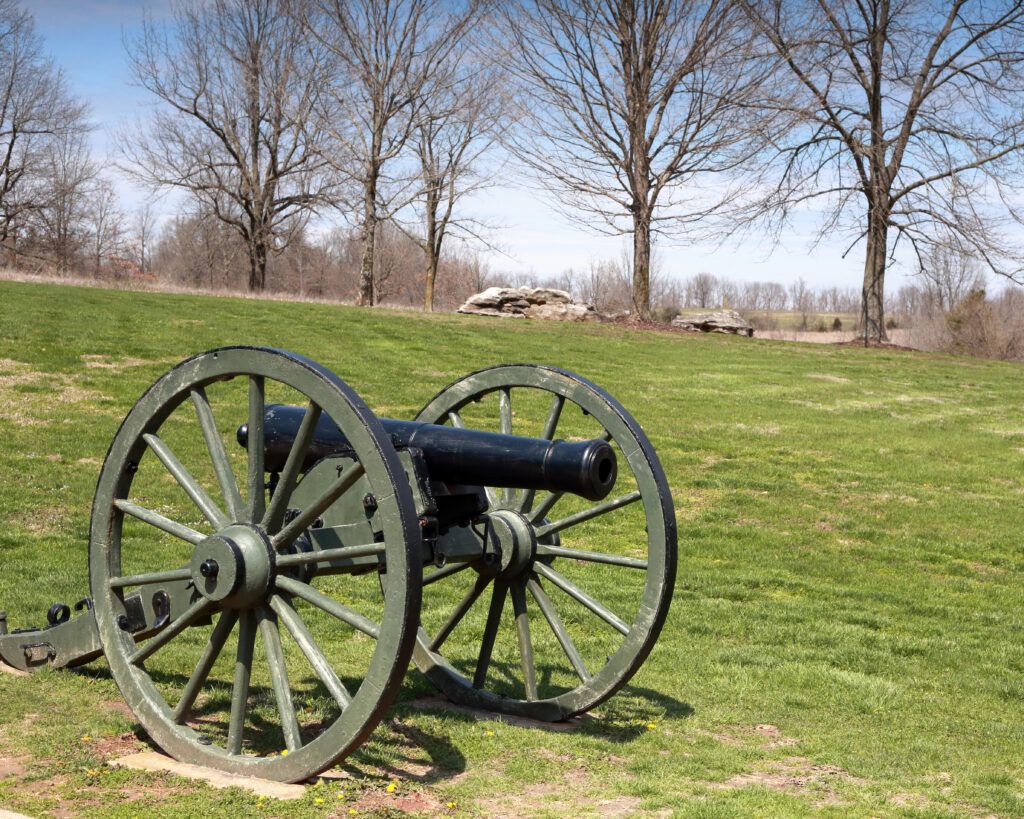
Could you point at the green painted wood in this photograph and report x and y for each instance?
(225, 624)
(502, 384)
(197, 382)
(218, 455)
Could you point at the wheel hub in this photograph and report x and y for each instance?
(234, 567)
(515, 540)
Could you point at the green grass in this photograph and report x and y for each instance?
(846, 636)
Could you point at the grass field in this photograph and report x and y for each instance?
(846, 637)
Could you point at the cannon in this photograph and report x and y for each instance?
(259, 603)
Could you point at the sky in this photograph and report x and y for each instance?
(86, 38)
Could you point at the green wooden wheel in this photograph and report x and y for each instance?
(589, 585)
(311, 674)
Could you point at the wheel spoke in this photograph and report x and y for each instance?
(456, 420)
(256, 482)
(490, 633)
(592, 557)
(274, 516)
(550, 424)
(163, 637)
(304, 640)
(179, 530)
(580, 596)
(460, 612)
(549, 501)
(322, 555)
(215, 446)
(308, 515)
(525, 644)
(169, 576)
(447, 571)
(547, 608)
(588, 514)
(332, 607)
(505, 427)
(196, 493)
(225, 623)
(243, 672)
(279, 677)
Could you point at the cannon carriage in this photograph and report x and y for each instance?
(258, 604)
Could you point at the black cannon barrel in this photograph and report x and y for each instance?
(465, 456)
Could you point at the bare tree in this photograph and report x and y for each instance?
(700, 290)
(632, 108)
(36, 112)
(237, 86)
(59, 221)
(801, 297)
(458, 125)
(950, 276)
(908, 123)
(103, 225)
(143, 236)
(385, 55)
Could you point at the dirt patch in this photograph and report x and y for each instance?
(11, 768)
(836, 379)
(107, 362)
(570, 795)
(795, 774)
(45, 520)
(115, 746)
(767, 736)
(406, 802)
(620, 806)
(876, 345)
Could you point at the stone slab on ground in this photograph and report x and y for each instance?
(14, 672)
(10, 814)
(717, 321)
(529, 302)
(158, 763)
(435, 703)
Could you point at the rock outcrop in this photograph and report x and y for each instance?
(719, 321)
(528, 302)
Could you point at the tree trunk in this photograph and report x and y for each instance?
(642, 264)
(257, 265)
(432, 246)
(428, 296)
(873, 292)
(365, 297)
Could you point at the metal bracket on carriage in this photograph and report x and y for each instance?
(72, 640)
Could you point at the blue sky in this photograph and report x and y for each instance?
(86, 38)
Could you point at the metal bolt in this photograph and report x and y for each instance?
(369, 503)
(209, 568)
(123, 622)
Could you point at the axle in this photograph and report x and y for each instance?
(462, 456)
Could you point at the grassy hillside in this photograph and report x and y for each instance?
(846, 637)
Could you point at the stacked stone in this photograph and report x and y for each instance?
(528, 302)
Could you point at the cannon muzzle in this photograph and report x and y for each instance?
(463, 456)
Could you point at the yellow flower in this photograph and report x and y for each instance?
(262, 799)
(450, 805)
(318, 801)
(341, 794)
(488, 733)
(284, 752)
(87, 738)
(351, 811)
(651, 726)
(391, 788)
